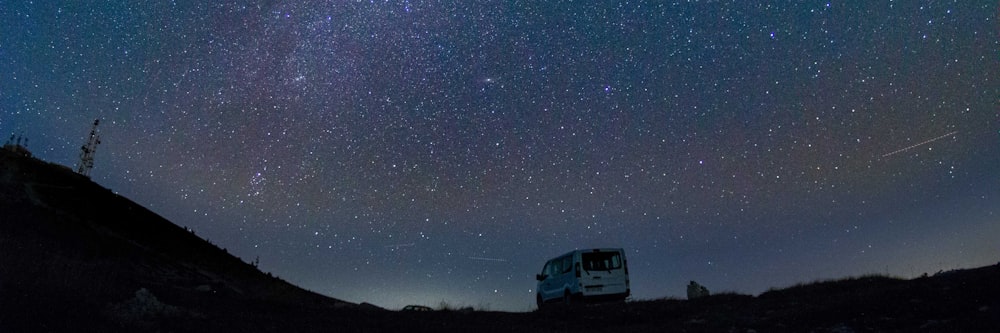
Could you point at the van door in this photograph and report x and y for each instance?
(545, 281)
(566, 280)
(603, 273)
(557, 278)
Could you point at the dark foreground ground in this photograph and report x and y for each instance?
(965, 301)
(75, 257)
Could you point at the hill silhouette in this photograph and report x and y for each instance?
(73, 253)
(74, 256)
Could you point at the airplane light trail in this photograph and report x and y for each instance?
(918, 144)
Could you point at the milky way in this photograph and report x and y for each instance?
(419, 152)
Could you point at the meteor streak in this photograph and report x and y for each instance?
(399, 246)
(488, 259)
(918, 144)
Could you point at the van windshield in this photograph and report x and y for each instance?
(602, 261)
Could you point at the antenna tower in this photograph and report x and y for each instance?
(87, 151)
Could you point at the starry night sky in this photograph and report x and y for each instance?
(412, 152)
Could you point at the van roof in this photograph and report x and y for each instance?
(604, 249)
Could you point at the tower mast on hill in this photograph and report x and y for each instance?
(87, 151)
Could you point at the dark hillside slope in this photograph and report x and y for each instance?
(72, 253)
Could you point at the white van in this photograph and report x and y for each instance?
(583, 275)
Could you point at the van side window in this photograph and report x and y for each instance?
(554, 268)
(567, 264)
